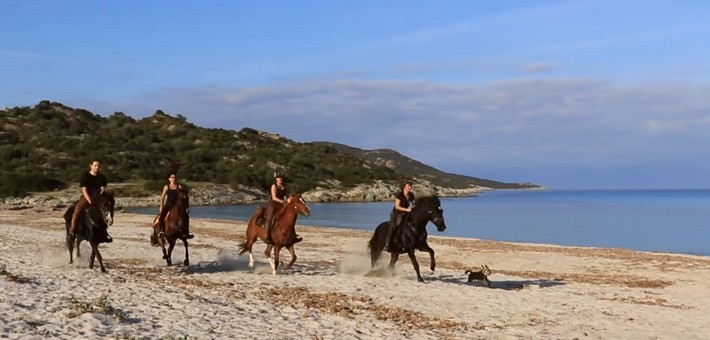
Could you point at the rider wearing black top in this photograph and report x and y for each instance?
(167, 202)
(92, 184)
(277, 197)
(403, 204)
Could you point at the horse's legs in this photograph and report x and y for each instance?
(393, 259)
(98, 257)
(267, 251)
(415, 264)
(293, 256)
(169, 256)
(78, 242)
(425, 247)
(70, 247)
(91, 258)
(275, 260)
(187, 255)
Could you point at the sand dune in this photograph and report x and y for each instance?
(538, 291)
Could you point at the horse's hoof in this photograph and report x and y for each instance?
(186, 263)
(165, 257)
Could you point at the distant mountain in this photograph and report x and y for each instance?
(411, 168)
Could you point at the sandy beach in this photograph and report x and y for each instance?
(538, 291)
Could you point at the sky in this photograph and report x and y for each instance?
(565, 94)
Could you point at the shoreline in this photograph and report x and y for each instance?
(538, 291)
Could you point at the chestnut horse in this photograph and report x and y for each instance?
(176, 223)
(283, 234)
(92, 226)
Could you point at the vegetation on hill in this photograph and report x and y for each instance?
(47, 146)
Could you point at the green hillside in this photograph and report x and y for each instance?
(47, 146)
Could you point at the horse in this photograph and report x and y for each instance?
(283, 234)
(411, 235)
(176, 223)
(92, 226)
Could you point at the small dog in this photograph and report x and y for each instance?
(481, 275)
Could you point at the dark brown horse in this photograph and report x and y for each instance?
(283, 234)
(92, 226)
(411, 235)
(176, 224)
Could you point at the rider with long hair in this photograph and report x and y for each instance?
(277, 197)
(167, 202)
(403, 204)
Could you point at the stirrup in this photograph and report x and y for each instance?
(109, 239)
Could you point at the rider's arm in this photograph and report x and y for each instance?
(162, 198)
(85, 193)
(398, 207)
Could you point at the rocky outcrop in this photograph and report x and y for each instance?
(219, 194)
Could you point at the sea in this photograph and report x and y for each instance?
(676, 221)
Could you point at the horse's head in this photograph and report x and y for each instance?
(183, 199)
(297, 202)
(106, 204)
(431, 208)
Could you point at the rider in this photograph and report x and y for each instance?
(279, 192)
(92, 184)
(167, 201)
(403, 204)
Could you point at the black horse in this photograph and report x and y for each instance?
(92, 226)
(411, 235)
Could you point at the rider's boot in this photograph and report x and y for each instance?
(267, 229)
(188, 235)
(390, 234)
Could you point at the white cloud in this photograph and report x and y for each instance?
(562, 123)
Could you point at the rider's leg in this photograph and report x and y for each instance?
(188, 235)
(270, 207)
(390, 230)
(161, 220)
(78, 209)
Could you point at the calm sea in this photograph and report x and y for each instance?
(651, 220)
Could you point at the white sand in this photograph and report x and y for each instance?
(539, 292)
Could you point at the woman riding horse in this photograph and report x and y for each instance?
(176, 222)
(403, 204)
(411, 236)
(167, 201)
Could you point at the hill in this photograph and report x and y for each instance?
(45, 147)
(408, 167)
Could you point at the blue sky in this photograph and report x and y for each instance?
(566, 94)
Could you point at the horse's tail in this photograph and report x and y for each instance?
(243, 248)
(377, 243)
(67, 222)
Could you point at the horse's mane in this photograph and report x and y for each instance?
(94, 213)
(426, 202)
(107, 194)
